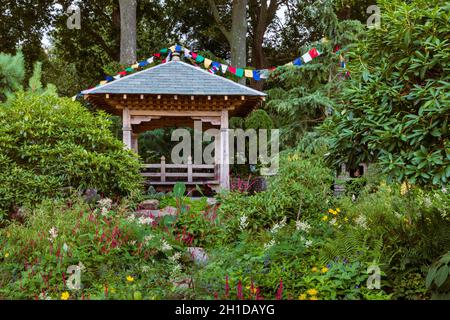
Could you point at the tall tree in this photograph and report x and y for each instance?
(237, 35)
(128, 34)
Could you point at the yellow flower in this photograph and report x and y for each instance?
(302, 297)
(325, 218)
(65, 295)
(330, 210)
(312, 292)
(324, 269)
(313, 298)
(130, 279)
(112, 290)
(404, 189)
(314, 269)
(346, 219)
(338, 210)
(7, 255)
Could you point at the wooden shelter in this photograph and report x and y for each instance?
(175, 94)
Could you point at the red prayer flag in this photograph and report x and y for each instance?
(313, 53)
(194, 55)
(123, 73)
(232, 69)
(157, 55)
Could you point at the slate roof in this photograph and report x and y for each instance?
(175, 77)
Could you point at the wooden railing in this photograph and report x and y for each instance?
(166, 174)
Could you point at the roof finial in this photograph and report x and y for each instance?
(176, 56)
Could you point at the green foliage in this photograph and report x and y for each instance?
(301, 187)
(51, 146)
(12, 72)
(120, 257)
(395, 109)
(258, 119)
(301, 97)
(438, 277)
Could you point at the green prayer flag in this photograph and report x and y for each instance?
(239, 72)
(129, 69)
(164, 50)
(200, 59)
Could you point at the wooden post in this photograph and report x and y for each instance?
(224, 152)
(189, 169)
(217, 156)
(127, 130)
(163, 169)
(134, 142)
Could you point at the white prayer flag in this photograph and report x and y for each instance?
(306, 57)
(224, 68)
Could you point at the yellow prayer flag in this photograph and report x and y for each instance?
(248, 73)
(135, 66)
(207, 63)
(103, 82)
(290, 64)
(172, 48)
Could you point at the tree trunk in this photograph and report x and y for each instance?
(238, 41)
(128, 31)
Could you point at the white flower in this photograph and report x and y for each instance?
(302, 226)
(243, 222)
(175, 257)
(165, 246)
(269, 245)
(146, 220)
(104, 212)
(147, 239)
(333, 221)
(361, 221)
(53, 234)
(44, 296)
(278, 226)
(131, 218)
(105, 203)
(145, 269)
(132, 243)
(308, 243)
(65, 247)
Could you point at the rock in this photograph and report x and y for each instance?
(183, 284)
(198, 255)
(147, 213)
(152, 204)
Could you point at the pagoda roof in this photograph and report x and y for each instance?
(175, 78)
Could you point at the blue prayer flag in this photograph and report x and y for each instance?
(298, 62)
(256, 75)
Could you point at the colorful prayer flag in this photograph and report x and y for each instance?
(135, 66)
(256, 75)
(194, 55)
(178, 48)
(224, 68)
(264, 74)
(298, 62)
(232, 69)
(314, 53)
(306, 57)
(239, 72)
(187, 53)
(248, 73)
(150, 60)
(200, 59)
(207, 63)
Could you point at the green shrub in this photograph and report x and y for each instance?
(302, 187)
(50, 146)
(396, 105)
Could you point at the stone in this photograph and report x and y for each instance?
(198, 255)
(151, 204)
